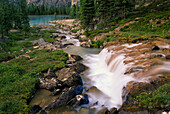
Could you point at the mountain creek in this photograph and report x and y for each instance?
(101, 80)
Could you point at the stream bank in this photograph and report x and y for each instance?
(139, 58)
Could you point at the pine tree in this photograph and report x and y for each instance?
(24, 16)
(73, 11)
(6, 19)
(77, 11)
(124, 6)
(87, 13)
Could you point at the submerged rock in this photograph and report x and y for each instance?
(65, 97)
(76, 57)
(79, 100)
(35, 109)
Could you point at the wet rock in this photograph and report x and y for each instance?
(79, 67)
(155, 48)
(54, 35)
(79, 100)
(136, 112)
(56, 92)
(50, 84)
(83, 38)
(50, 74)
(76, 57)
(65, 73)
(85, 44)
(65, 97)
(43, 112)
(104, 111)
(156, 55)
(61, 37)
(113, 111)
(73, 80)
(35, 109)
(63, 45)
(167, 56)
(135, 41)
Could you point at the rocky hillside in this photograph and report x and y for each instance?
(49, 2)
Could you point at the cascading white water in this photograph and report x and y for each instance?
(107, 75)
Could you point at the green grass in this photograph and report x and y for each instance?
(75, 30)
(156, 98)
(96, 32)
(18, 76)
(18, 41)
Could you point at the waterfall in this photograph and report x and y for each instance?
(106, 75)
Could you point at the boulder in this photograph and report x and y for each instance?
(50, 84)
(43, 112)
(83, 38)
(50, 74)
(155, 48)
(104, 111)
(79, 67)
(79, 100)
(61, 37)
(65, 73)
(40, 41)
(63, 45)
(76, 57)
(57, 91)
(65, 97)
(113, 110)
(167, 56)
(85, 44)
(135, 41)
(35, 109)
(73, 80)
(54, 35)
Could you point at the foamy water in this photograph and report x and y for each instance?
(108, 79)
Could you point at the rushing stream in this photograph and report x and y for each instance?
(104, 81)
(107, 77)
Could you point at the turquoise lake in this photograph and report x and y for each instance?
(43, 20)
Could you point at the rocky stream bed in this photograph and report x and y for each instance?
(68, 90)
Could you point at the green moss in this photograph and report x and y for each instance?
(18, 76)
(156, 98)
(75, 30)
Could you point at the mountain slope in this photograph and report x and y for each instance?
(49, 2)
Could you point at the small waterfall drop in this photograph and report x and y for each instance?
(106, 74)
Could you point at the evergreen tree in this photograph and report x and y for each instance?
(124, 7)
(6, 19)
(77, 11)
(87, 13)
(73, 11)
(24, 16)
